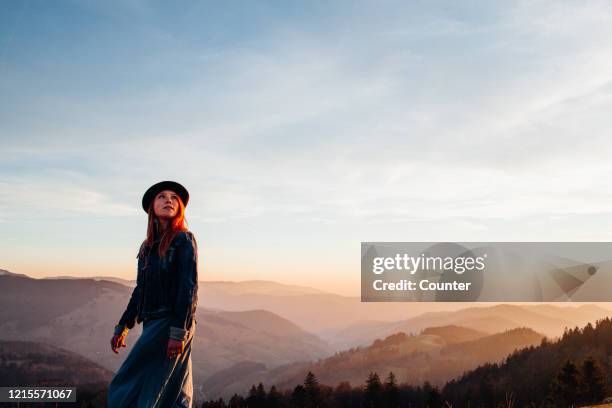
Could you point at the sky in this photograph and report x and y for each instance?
(301, 129)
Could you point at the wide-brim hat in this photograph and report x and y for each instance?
(152, 191)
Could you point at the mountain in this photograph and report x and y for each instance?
(41, 310)
(28, 363)
(550, 320)
(264, 343)
(7, 273)
(528, 376)
(261, 287)
(436, 355)
(224, 339)
(454, 334)
(129, 283)
(28, 303)
(316, 311)
(489, 349)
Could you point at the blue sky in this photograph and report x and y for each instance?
(300, 129)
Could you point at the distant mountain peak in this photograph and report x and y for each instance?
(263, 287)
(393, 339)
(8, 273)
(454, 331)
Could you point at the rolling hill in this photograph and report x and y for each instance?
(550, 320)
(83, 312)
(529, 375)
(435, 355)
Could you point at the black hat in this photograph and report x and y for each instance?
(161, 186)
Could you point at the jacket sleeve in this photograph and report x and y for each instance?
(187, 291)
(128, 319)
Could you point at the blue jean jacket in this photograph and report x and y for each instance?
(166, 286)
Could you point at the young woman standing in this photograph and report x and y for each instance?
(157, 373)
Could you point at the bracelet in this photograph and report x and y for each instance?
(121, 330)
(178, 333)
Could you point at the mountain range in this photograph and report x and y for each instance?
(267, 331)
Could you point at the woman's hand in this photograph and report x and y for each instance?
(175, 347)
(117, 342)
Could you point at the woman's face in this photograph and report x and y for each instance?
(166, 204)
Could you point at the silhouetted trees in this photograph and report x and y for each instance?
(373, 396)
(593, 385)
(312, 394)
(274, 398)
(257, 397)
(564, 389)
(391, 392)
(236, 401)
(572, 371)
(299, 397)
(543, 376)
(572, 386)
(312, 391)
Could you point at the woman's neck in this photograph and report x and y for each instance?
(162, 226)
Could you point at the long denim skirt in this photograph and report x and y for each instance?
(148, 378)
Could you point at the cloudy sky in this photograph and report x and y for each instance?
(300, 129)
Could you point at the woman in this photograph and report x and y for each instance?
(157, 372)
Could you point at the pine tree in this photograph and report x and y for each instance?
(260, 396)
(313, 391)
(372, 396)
(564, 390)
(342, 395)
(273, 400)
(391, 391)
(593, 382)
(298, 397)
(237, 401)
(487, 391)
(251, 400)
(433, 399)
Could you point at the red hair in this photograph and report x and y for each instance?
(175, 225)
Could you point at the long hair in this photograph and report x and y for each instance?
(176, 225)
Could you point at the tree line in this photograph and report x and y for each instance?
(572, 371)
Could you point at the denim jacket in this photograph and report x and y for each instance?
(166, 286)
